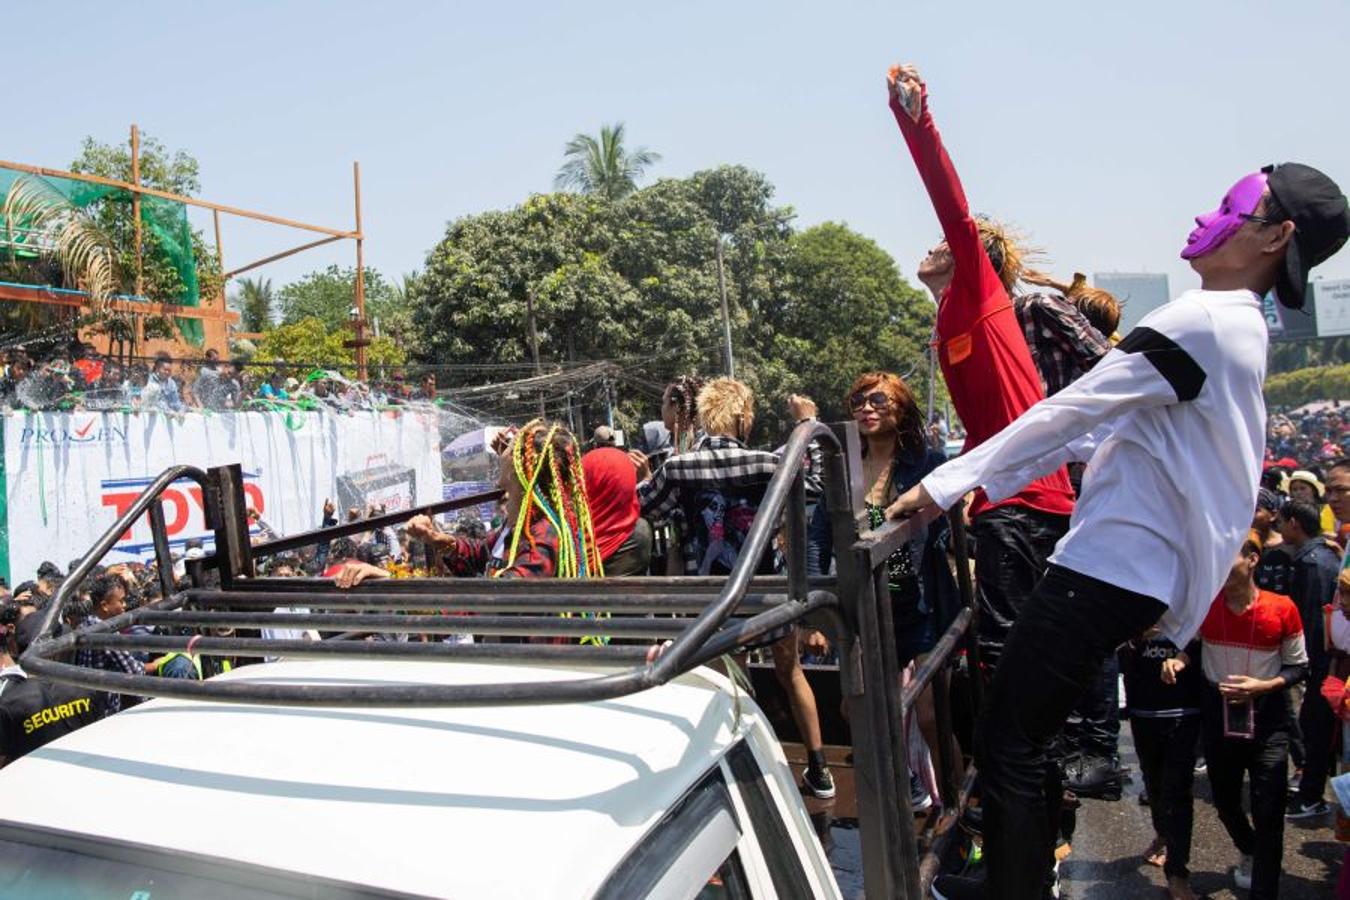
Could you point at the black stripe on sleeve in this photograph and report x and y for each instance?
(1174, 364)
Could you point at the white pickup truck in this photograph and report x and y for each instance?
(681, 791)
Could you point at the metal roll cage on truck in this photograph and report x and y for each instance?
(715, 787)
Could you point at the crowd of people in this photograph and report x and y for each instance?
(1313, 435)
(1121, 517)
(78, 377)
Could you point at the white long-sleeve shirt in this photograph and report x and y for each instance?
(1171, 423)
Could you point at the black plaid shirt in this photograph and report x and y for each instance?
(718, 487)
(1062, 341)
(109, 661)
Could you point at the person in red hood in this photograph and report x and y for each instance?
(622, 536)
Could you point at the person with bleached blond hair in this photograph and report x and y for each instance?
(718, 486)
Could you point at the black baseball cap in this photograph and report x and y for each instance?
(1321, 218)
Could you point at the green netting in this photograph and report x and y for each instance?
(165, 220)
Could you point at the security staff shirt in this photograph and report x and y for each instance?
(33, 712)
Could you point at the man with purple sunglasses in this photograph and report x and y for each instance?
(1171, 424)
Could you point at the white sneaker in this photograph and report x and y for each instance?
(1242, 873)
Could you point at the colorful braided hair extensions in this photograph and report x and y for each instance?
(683, 396)
(547, 462)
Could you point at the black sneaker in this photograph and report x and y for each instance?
(1093, 776)
(1201, 767)
(818, 783)
(957, 887)
(1307, 809)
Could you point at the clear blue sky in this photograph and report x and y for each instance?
(1099, 128)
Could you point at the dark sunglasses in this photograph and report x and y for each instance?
(876, 400)
(1261, 220)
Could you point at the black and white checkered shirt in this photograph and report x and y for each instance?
(1062, 341)
(717, 488)
(715, 463)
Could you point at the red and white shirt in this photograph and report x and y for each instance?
(1266, 638)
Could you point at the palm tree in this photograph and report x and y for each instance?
(45, 220)
(603, 166)
(254, 303)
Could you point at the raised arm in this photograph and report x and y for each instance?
(909, 103)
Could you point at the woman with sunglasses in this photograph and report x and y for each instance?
(896, 456)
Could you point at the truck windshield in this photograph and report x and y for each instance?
(133, 872)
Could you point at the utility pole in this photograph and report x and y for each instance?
(932, 377)
(609, 401)
(730, 360)
(361, 341)
(139, 326)
(534, 343)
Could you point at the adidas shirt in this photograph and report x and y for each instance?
(1171, 424)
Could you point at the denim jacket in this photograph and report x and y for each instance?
(938, 593)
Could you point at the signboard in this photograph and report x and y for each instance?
(1333, 307)
(1289, 324)
(68, 476)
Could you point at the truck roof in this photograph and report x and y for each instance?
(485, 801)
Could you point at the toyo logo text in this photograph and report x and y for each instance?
(184, 510)
(77, 430)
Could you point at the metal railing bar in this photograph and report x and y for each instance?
(519, 626)
(346, 529)
(710, 586)
(943, 832)
(731, 638)
(53, 613)
(581, 690)
(893, 534)
(936, 659)
(296, 648)
(351, 600)
(163, 559)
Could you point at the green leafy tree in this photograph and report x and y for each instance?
(329, 295)
(846, 309)
(603, 165)
(636, 282)
(1293, 389)
(310, 341)
(173, 171)
(254, 302)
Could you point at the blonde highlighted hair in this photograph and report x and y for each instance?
(726, 406)
(1007, 250)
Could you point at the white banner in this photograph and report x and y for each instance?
(1333, 307)
(69, 475)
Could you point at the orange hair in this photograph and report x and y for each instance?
(909, 420)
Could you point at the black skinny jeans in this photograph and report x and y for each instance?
(1166, 748)
(1064, 632)
(1012, 548)
(1317, 725)
(1265, 759)
(1093, 728)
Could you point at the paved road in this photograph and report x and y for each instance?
(1107, 861)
